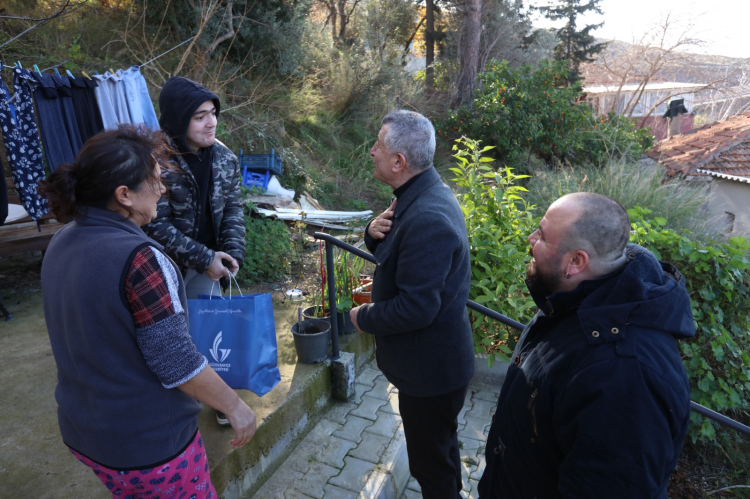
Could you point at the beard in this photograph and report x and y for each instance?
(542, 281)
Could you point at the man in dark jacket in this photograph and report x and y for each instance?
(596, 402)
(418, 311)
(199, 220)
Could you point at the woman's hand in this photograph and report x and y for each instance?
(217, 269)
(209, 388)
(242, 419)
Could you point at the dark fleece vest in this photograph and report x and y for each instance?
(111, 406)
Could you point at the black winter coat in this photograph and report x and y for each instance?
(596, 402)
(419, 291)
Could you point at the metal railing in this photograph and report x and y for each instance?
(331, 241)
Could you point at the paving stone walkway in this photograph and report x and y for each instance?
(357, 450)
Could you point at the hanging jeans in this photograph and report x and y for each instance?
(139, 101)
(87, 113)
(57, 119)
(21, 140)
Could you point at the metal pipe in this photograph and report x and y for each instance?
(348, 247)
(332, 301)
(719, 418)
(494, 315)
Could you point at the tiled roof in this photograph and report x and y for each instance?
(722, 147)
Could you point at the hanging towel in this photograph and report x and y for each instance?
(21, 140)
(57, 121)
(138, 97)
(87, 113)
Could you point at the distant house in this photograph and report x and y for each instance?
(642, 99)
(720, 154)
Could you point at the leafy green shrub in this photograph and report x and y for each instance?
(498, 220)
(531, 111)
(717, 276)
(268, 250)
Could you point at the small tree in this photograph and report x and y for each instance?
(530, 111)
(576, 45)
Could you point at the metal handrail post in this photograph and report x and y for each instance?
(332, 301)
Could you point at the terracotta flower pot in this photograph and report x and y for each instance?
(363, 293)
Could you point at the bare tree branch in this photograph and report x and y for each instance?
(66, 9)
(61, 11)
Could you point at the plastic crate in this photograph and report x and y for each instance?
(255, 179)
(261, 162)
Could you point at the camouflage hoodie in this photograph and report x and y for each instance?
(178, 211)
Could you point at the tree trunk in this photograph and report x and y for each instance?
(469, 51)
(429, 39)
(342, 19)
(332, 15)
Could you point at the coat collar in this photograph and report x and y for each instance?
(423, 181)
(101, 217)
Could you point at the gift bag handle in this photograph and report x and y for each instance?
(232, 278)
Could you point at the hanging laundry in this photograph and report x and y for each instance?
(115, 109)
(104, 101)
(87, 113)
(4, 187)
(21, 140)
(57, 119)
(139, 101)
(3, 197)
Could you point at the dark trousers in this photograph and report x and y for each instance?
(430, 425)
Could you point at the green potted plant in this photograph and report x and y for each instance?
(346, 270)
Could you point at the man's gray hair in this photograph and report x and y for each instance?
(412, 135)
(602, 227)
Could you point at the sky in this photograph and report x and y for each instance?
(723, 24)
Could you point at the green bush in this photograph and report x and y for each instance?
(530, 111)
(498, 220)
(717, 276)
(268, 251)
(632, 184)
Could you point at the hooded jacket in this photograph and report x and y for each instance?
(596, 401)
(179, 210)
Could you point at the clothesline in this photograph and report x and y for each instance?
(5, 66)
(168, 51)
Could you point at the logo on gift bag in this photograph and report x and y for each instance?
(219, 354)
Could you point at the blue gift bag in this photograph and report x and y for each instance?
(237, 334)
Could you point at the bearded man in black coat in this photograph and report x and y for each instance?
(596, 401)
(418, 312)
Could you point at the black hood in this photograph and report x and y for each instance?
(178, 100)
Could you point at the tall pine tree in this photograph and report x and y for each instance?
(576, 46)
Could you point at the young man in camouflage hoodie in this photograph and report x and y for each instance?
(200, 218)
